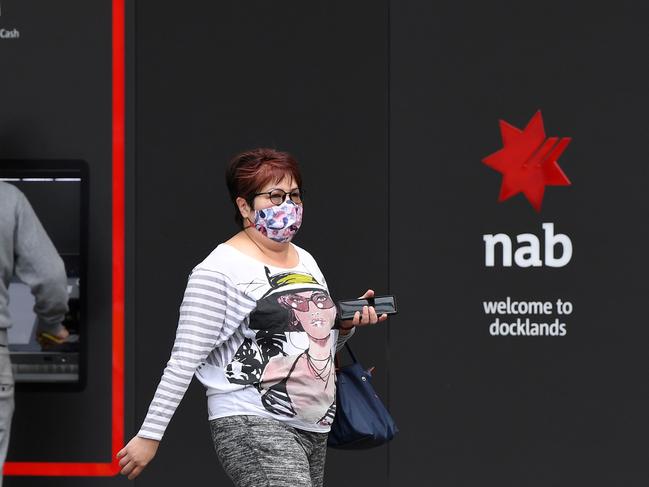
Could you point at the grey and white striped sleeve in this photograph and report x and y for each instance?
(340, 343)
(211, 311)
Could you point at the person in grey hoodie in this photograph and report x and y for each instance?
(26, 251)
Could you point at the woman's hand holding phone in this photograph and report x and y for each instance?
(367, 317)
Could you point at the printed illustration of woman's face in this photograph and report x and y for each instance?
(315, 311)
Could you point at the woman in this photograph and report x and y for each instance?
(257, 327)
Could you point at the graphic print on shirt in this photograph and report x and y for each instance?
(290, 360)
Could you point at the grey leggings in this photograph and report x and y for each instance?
(263, 452)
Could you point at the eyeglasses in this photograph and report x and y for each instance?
(277, 196)
(301, 303)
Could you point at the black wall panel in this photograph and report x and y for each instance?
(390, 108)
(56, 103)
(56, 94)
(217, 78)
(522, 410)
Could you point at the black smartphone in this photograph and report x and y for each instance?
(382, 304)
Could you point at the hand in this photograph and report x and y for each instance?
(63, 333)
(49, 339)
(136, 455)
(367, 317)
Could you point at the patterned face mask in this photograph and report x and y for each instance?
(279, 223)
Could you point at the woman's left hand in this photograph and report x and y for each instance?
(367, 317)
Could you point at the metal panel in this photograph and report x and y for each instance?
(217, 78)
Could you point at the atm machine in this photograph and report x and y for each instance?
(57, 190)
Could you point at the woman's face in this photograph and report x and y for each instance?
(262, 201)
(314, 310)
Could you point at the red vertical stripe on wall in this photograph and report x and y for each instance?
(111, 466)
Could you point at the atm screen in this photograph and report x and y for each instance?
(56, 191)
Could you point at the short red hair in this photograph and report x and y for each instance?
(249, 171)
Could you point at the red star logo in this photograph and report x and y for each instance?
(528, 161)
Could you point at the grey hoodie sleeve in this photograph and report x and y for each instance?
(38, 264)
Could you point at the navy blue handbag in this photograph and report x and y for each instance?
(361, 420)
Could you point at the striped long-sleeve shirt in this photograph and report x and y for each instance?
(239, 324)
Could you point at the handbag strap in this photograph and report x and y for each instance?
(351, 354)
